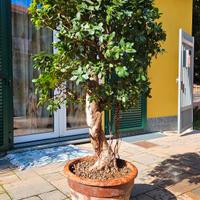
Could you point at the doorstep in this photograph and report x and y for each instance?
(78, 139)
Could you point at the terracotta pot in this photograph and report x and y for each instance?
(88, 189)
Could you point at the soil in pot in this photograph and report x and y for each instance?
(81, 169)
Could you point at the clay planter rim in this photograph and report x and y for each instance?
(97, 182)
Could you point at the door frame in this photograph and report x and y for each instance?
(6, 107)
(188, 40)
(63, 131)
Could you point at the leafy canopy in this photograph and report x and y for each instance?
(103, 46)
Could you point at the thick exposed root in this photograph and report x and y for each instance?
(104, 161)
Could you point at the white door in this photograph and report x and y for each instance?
(185, 81)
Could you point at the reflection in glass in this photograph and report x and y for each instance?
(76, 117)
(28, 118)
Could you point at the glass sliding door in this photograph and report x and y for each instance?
(75, 114)
(76, 118)
(29, 119)
(72, 120)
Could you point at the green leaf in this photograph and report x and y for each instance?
(73, 78)
(85, 76)
(101, 39)
(121, 71)
(34, 80)
(143, 78)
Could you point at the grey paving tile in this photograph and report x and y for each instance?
(28, 188)
(160, 194)
(53, 195)
(5, 179)
(183, 186)
(52, 168)
(53, 176)
(33, 198)
(143, 197)
(26, 174)
(147, 159)
(188, 196)
(62, 185)
(140, 189)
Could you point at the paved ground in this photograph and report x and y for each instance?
(169, 169)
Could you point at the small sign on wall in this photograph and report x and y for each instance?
(187, 57)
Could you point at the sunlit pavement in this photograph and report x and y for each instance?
(169, 168)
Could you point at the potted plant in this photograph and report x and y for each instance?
(105, 48)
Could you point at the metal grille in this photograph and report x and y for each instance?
(132, 120)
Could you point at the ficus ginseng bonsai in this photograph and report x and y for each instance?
(104, 47)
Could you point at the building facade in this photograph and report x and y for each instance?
(21, 120)
(162, 108)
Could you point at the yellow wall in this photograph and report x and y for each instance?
(164, 70)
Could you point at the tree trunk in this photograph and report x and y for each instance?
(103, 151)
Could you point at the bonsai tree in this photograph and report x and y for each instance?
(105, 48)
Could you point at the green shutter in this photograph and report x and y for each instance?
(5, 76)
(130, 121)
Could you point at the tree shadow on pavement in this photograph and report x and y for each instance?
(166, 173)
(151, 192)
(176, 169)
